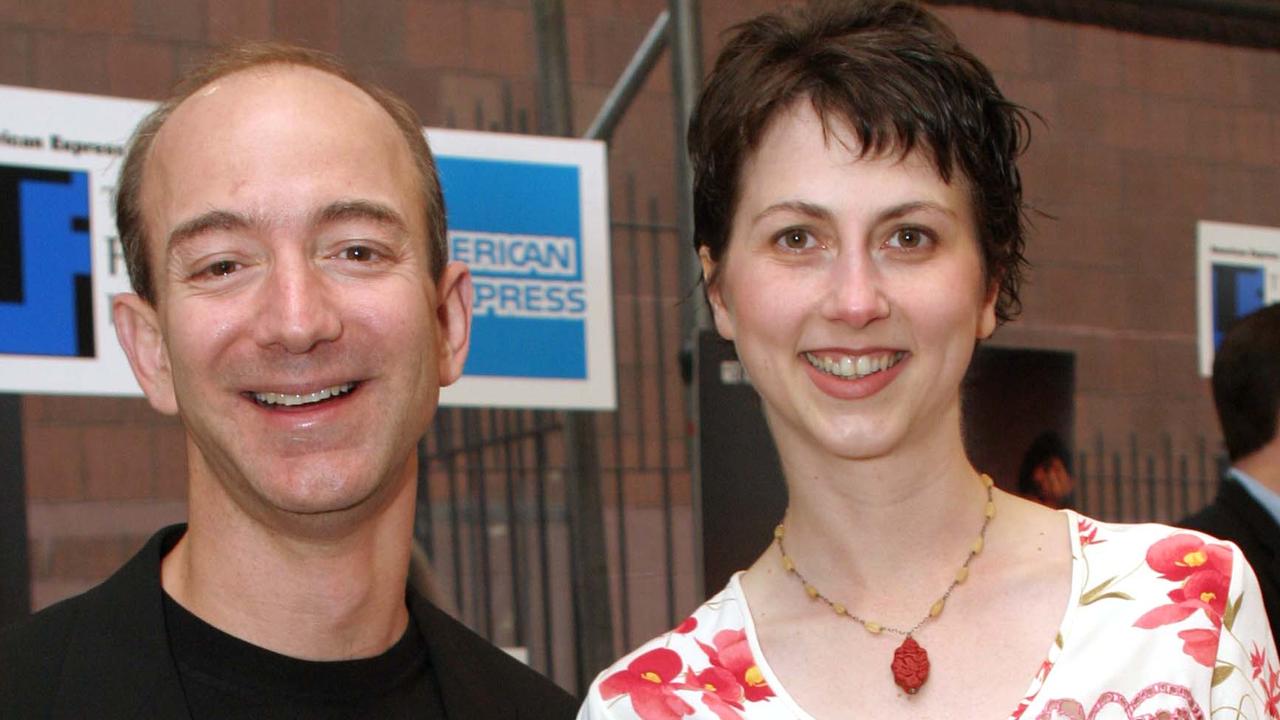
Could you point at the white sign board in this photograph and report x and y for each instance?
(529, 215)
(1237, 272)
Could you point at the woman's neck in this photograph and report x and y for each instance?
(855, 524)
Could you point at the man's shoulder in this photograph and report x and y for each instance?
(98, 634)
(34, 650)
(465, 660)
(1230, 516)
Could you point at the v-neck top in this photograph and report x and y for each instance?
(1159, 620)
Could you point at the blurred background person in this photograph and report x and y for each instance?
(1045, 473)
(1246, 393)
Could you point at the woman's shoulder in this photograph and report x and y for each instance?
(703, 666)
(1099, 537)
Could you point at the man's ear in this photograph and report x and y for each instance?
(138, 329)
(715, 296)
(453, 320)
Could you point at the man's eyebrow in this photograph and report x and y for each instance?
(360, 210)
(203, 223)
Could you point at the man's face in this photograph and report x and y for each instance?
(297, 330)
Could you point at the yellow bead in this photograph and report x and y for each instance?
(977, 545)
(987, 481)
(936, 610)
(991, 509)
(813, 591)
(778, 532)
(838, 608)
(962, 574)
(788, 564)
(872, 627)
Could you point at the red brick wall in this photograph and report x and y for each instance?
(1144, 136)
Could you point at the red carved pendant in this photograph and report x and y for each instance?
(910, 666)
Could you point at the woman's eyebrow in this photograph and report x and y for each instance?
(903, 209)
(800, 207)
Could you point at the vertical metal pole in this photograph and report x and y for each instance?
(554, 109)
(592, 616)
(15, 582)
(686, 81)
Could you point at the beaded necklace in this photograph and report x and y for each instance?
(910, 661)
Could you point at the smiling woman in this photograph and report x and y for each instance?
(859, 223)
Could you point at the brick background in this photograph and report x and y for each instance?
(1141, 138)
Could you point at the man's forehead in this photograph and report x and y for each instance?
(267, 88)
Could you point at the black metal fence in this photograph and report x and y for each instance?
(493, 515)
(1127, 482)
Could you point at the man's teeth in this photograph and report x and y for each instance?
(849, 366)
(289, 400)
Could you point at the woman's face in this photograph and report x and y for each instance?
(853, 290)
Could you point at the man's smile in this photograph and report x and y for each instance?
(275, 399)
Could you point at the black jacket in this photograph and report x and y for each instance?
(105, 654)
(1234, 515)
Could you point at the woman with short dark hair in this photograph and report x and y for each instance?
(859, 222)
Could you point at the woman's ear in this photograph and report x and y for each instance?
(987, 318)
(138, 328)
(715, 294)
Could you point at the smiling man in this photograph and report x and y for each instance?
(296, 309)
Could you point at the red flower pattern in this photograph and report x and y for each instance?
(1088, 533)
(733, 653)
(1204, 573)
(1182, 555)
(647, 680)
(689, 625)
(721, 692)
(1201, 644)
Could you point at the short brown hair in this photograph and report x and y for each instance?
(236, 59)
(900, 79)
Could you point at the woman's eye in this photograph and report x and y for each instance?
(909, 239)
(796, 239)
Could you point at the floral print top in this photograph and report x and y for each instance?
(1162, 623)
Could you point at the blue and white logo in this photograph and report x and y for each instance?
(517, 225)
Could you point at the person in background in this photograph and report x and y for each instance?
(859, 221)
(295, 307)
(1246, 393)
(1045, 473)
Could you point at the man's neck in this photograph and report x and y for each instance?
(1263, 465)
(309, 597)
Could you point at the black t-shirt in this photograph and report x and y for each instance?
(225, 678)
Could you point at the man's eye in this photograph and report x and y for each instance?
(222, 267)
(359, 253)
(796, 239)
(909, 239)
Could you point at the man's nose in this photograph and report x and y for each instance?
(855, 293)
(298, 309)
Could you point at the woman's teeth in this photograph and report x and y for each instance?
(288, 400)
(851, 366)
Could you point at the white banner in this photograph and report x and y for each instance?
(1237, 272)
